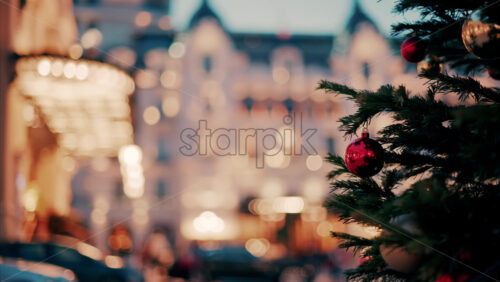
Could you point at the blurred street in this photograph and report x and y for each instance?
(172, 140)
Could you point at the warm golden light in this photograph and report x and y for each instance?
(278, 160)
(210, 199)
(91, 38)
(177, 50)
(314, 162)
(122, 56)
(314, 214)
(213, 91)
(209, 226)
(57, 68)
(267, 206)
(372, 231)
(170, 106)
(262, 206)
(75, 51)
(272, 188)
(69, 70)
(130, 158)
(364, 231)
(257, 246)
(273, 217)
(151, 115)
(98, 217)
(130, 154)
(89, 250)
(85, 102)
(69, 164)
(114, 261)
(315, 189)
(30, 198)
(170, 79)
(43, 67)
(146, 78)
(164, 23)
(208, 222)
(81, 71)
(29, 114)
(288, 205)
(324, 228)
(368, 45)
(134, 190)
(143, 19)
(156, 59)
(281, 75)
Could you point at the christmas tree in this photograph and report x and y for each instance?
(436, 200)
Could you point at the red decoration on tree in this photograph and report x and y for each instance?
(364, 259)
(364, 157)
(464, 256)
(413, 49)
(449, 278)
(495, 74)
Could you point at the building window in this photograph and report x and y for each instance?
(330, 145)
(289, 64)
(163, 155)
(88, 2)
(162, 114)
(207, 64)
(161, 189)
(309, 111)
(118, 191)
(156, 4)
(289, 105)
(366, 69)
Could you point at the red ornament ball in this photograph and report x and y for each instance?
(413, 49)
(495, 74)
(364, 157)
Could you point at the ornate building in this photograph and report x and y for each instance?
(210, 75)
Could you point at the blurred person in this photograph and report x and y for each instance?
(157, 257)
(329, 271)
(120, 240)
(188, 265)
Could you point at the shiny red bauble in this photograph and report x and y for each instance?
(413, 49)
(364, 157)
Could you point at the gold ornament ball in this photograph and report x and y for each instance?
(429, 65)
(481, 35)
(397, 257)
(400, 259)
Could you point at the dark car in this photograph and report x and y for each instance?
(85, 268)
(236, 264)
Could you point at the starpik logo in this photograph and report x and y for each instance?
(240, 141)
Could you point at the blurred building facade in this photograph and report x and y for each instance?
(76, 144)
(229, 80)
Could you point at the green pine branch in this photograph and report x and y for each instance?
(465, 87)
(348, 241)
(340, 167)
(451, 154)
